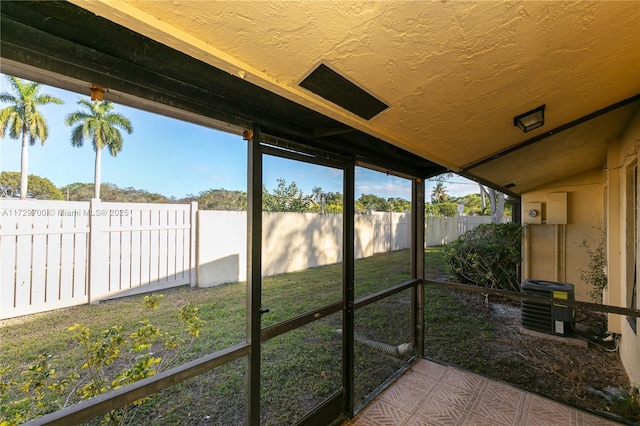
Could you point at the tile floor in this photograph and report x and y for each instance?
(433, 394)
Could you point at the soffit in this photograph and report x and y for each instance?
(568, 153)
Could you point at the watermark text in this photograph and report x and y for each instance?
(64, 212)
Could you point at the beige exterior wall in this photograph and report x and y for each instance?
(603, 198)
(552, 251)
(623, 256)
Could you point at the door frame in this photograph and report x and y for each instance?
(333, 407)
(341, 404)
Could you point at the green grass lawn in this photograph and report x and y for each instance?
(300, 368)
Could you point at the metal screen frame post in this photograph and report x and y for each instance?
(348, 277)
(417, 265)
(254, 274)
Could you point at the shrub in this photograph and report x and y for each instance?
(596, 273)
(487, 256)
(111, 359)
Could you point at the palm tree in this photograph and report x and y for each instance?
(439, 193)
(316, 194)
(97, 121)
(23, 118)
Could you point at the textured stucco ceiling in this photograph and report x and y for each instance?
(454, 73)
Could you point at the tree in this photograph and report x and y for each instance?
(439, 193)
(371, 202)
(318, 200)
(333, 202)
(324, 202)
(100, 124)
(39, 187)
(220, 199)
(496, 203)
(285, 198)
(472, 204)
(316, 194)
(112, 193)
(446, 209)
(77, 191)
(23, 119)
(399, 205)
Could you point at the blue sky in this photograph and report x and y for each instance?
(176, 158)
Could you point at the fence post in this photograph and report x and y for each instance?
(193, 244)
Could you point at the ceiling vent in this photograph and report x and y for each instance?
(330, 85)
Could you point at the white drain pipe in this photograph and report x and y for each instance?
(400, 350)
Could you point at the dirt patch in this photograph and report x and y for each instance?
(571, 370)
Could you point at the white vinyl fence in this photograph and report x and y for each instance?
(391, 231)
(444, 230)
(291, 241)
(297, 241)
(55, 254)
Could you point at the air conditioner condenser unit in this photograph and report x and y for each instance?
(548, 318)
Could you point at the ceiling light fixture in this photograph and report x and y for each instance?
(530, 120)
